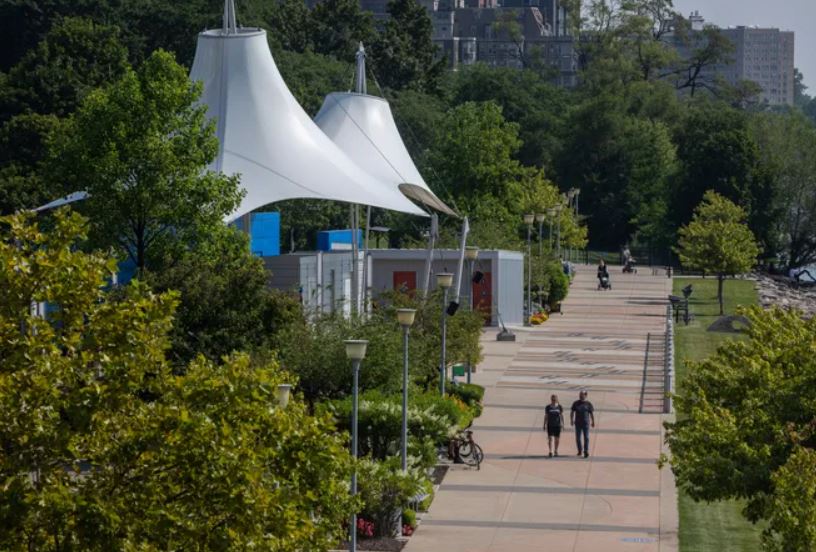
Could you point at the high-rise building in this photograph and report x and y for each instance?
(761, 55)
(510, 33)
(764, 56)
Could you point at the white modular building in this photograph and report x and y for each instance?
(323, 279)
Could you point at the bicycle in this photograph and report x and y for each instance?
(463, 448)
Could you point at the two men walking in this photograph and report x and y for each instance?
(582, 417)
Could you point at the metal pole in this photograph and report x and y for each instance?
(470, 306)
(355, 276)
(353, 528)
(540, 232)
(404, 448)
(529, 276)
(558, 232)
(443, 361)
(551, 237)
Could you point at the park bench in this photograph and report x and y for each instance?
(680, 305)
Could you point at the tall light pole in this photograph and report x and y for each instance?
(471, 254)
(551, 218)
(444, 280)
(540, 218)
(558, 209)
(528, 220)
(570, 205)
(355, 351)
(405, 317)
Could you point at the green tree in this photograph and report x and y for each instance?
(74, 58)
(338, 27)
(140, 149)
(717, 240)
(623, 165)
(225, 302)
(403, 55)
(717, 151)
(526, 98)
(23, 140)
(745, 427)
(106, 448)
(787, 144)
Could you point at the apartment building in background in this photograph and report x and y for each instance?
(500, 33)
(762, 55)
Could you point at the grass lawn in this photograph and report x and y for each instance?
(715, 527)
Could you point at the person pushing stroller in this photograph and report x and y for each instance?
(603, 276)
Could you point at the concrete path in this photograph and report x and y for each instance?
(522, 500)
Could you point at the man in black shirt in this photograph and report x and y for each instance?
(582, 417)
(553, 422)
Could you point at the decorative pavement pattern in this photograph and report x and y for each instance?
(523, 501)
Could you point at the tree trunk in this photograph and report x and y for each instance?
(720, 280)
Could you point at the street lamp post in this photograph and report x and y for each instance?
(471, 254)
(444, 280)
(406, 319)
(558, 209)
(528, 220)
(551, 218)
(540, 218)
(355, 351)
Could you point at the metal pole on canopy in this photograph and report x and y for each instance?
(454, 304)
(230, 26)
(355, 276)
(432, 235)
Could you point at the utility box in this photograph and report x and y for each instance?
(337, 240)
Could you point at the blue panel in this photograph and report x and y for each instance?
(333, 240)
(265, 234)
(264, 239)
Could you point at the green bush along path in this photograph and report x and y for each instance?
(711, 527)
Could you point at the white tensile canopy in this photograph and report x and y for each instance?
(363, 126)
(266, 137)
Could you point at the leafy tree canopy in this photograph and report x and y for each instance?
(403, 55)
(107, 448)
(717, 240)
(140, 148)
(746, 427)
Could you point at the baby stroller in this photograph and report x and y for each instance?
(603, 282)
(630, 266)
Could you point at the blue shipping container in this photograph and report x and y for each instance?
(337, 240)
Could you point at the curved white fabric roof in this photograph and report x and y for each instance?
(363, 126)
(267, 138)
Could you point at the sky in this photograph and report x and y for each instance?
(788, 15)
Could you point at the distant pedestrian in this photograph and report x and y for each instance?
(582, 418)
(553, 422)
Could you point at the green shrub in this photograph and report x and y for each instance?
(559, 283)
(386, 492)
(431, 421)
(470, 393)
(409, 517)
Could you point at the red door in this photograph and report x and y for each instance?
(405, 282)
(483, 296)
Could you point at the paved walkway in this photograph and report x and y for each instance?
(523, 501)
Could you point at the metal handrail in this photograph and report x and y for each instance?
(645, 371)
(668, 364)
